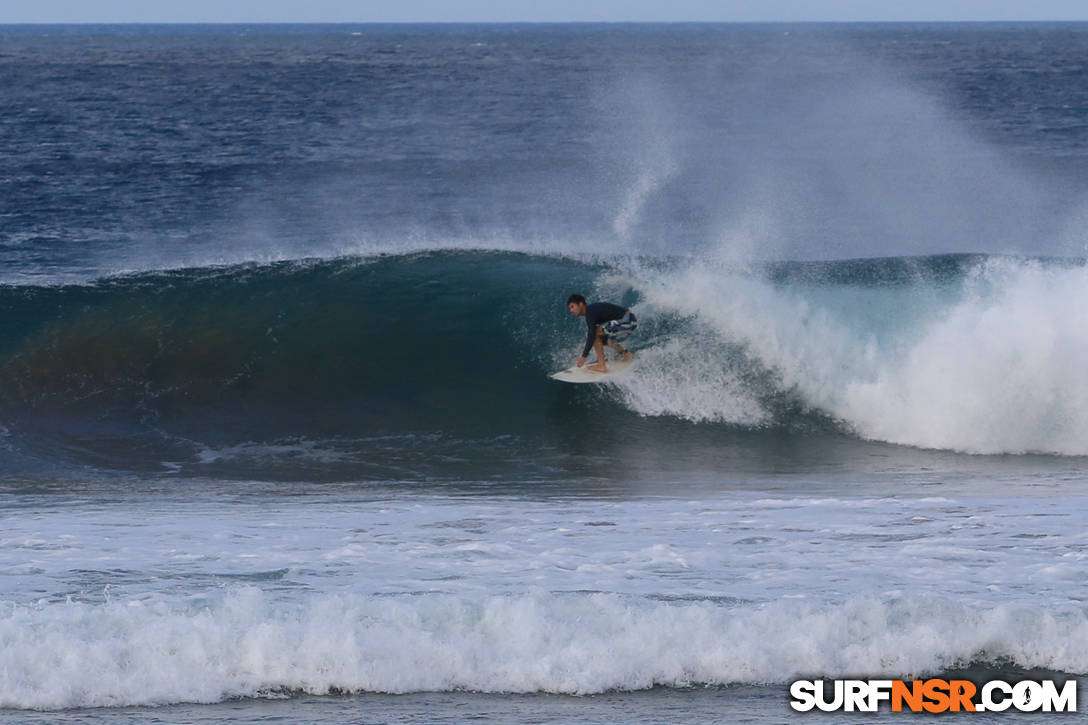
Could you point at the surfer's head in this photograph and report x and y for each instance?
(577, 305)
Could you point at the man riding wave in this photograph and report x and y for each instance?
(607, 324)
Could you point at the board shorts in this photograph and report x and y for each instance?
(621, 329)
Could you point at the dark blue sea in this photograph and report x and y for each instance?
(277, 310)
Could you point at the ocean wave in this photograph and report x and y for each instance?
(969, 353)
(248, 644)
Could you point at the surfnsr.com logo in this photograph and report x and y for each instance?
(933, 695)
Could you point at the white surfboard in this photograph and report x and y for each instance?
(583, 374)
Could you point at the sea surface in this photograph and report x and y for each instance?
(278, 305)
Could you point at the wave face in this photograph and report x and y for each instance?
(383, 346)
(966, 353)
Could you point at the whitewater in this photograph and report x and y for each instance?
(986, 365)
(277, 310)
(357, 593)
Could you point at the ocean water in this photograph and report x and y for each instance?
(278, 303)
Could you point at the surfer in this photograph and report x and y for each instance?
(607, 324)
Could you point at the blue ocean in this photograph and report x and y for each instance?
(278, 305)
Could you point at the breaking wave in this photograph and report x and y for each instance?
(246, 644)
(968, 353)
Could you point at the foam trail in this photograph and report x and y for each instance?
(247, 644)
(689, 379)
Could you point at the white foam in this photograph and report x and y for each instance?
(247, 644)
(688, 379)
(995, 370)
(1000, 372)
(139, 601)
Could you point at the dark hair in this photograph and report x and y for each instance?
(576, 300)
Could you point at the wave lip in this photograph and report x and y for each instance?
(248, 645)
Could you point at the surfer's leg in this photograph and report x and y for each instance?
(598, 347)
(613, 341)
(624, 352)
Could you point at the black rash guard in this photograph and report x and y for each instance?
(599, 313)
